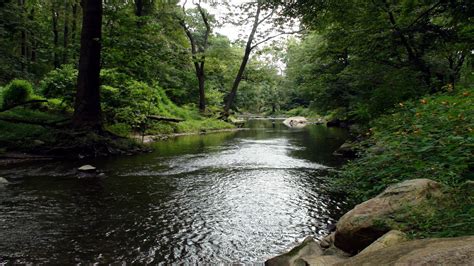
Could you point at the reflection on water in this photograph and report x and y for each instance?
(231, 197)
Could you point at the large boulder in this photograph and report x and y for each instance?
(435, 251)
(295, 122)
(371, 219)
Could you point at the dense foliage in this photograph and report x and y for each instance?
(428, 138)
(363, 57)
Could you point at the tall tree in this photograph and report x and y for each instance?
(274, 28)
(87, 110)
(199, 45)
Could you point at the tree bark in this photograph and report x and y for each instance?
(74, 29)
(65, 32)
(55, 17)
(87, 111)
(23, 40)
(199, 61)
(33, 42)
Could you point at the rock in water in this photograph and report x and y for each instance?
(295, 122)
(364, 224)
(87, 168)
(3, 181)
(309, 247)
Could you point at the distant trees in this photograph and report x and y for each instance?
(366, 56)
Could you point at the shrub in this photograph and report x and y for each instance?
(60, 83)
(427, 138)
(17, 91)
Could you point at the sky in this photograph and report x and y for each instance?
(229, 30)
(236, 32)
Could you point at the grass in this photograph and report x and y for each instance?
(451, 216)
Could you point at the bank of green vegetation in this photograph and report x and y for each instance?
(401, 72)
(431, 137)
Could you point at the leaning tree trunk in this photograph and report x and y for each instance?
(87, 112)
(243, 64)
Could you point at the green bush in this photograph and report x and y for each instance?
(427, 138)
(120, 129)
(17, 91)
(60, 83)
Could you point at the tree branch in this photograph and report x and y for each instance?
(274, 36)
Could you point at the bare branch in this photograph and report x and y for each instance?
(274, 36)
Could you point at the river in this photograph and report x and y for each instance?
(233, 197)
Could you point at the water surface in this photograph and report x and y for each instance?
(234, 197)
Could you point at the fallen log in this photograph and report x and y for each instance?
(163, 118)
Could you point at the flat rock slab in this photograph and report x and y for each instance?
(87, 168)
(435, 251)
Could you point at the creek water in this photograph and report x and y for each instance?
(233, 197)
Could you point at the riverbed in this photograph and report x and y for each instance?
(230, 197)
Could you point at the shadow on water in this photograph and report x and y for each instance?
(229, 197)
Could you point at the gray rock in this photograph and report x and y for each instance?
(3, 181)
(327, 241)
(296, 255)
(391, 238)
(435, 251)
(87, 168)
(38, 142)
(295, 122)
(368, 221)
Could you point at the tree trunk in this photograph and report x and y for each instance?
(243, 65)
(199, 61)
(55, 17)
(139, 8)
(33, 42)
(23, 40)
(74, 29)
(202, 93)
(87, 111)
(65, 32)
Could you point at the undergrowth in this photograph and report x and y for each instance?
(429, 138)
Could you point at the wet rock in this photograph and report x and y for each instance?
(347, 149)
(87, 168)
(297, 255)
(323, 260)
(327, 241)
(391, 238)
(295, 122)
(337, 123)
(3, 181)
(369, 220)
(38, 142)
(435, 251)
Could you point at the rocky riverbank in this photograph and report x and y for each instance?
(372, 233)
